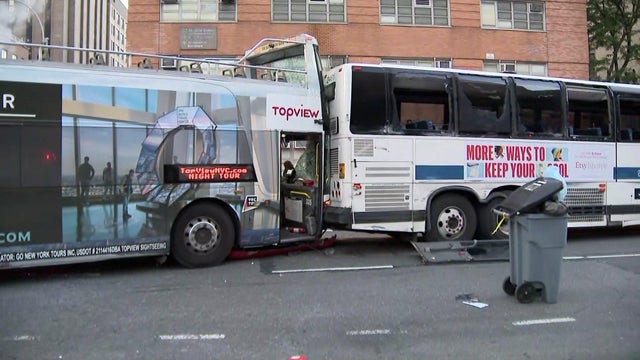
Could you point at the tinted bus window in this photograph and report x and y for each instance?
(368, 102)
(629, 119)
(482, 105)
(588, 112)
(421, 103)
(539, 108)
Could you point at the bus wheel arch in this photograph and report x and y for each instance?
(488, 220)
(451, 216)
(203, 234)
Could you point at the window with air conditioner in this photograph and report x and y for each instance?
(507, 68)
(443, 63)
(427, 62)
(169, 64)
(518, 67)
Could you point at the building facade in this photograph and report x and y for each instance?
(533, 37)
(91, 24)
(23, 21)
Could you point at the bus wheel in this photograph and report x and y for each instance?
(488, 220)
(202, 236)
(452, 218)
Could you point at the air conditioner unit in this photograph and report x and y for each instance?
(169, 1)
(169, 64)
(535, 7)
(422, 2)
(508, 68)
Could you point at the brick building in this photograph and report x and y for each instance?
(532, 37)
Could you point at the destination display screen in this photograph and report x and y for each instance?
(174, 174)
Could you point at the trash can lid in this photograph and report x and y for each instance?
(529, 197)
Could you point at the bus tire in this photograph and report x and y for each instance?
(453, 218)
(202, 236)
(488, 220)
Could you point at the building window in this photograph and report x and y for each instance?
(323, 11)
(3, 54)
(197, 10)
(414, 12)
(515, 67)
(512, 15)
(428, 62)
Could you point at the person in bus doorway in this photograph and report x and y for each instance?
(289, 173)
(107, 179)
(127, 190)
(85, 174)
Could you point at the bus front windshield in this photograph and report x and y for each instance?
(285, 63)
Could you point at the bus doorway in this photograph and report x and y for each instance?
(301, 186)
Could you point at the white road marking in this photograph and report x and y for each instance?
(192, 337)
(333, 269)
(587, 257)
(22, 338)
(369, 332)
(543, 321)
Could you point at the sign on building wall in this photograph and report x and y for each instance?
(198, 38)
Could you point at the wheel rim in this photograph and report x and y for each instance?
(202, 234)
(451, 222)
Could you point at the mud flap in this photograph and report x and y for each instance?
(462, 251)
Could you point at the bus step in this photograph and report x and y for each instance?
(462, 251)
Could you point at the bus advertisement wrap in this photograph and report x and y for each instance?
(292, 112)
(30, 142)
(52, 252)
(520, 160)
(127, 162)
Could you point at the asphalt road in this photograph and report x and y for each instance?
(367, 297)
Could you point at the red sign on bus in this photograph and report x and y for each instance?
(209, 173)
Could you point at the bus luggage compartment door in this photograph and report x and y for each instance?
(382, 195)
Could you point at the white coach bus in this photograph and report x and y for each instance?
(433, 151)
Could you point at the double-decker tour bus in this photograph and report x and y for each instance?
(102, 162)
(432, 151)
